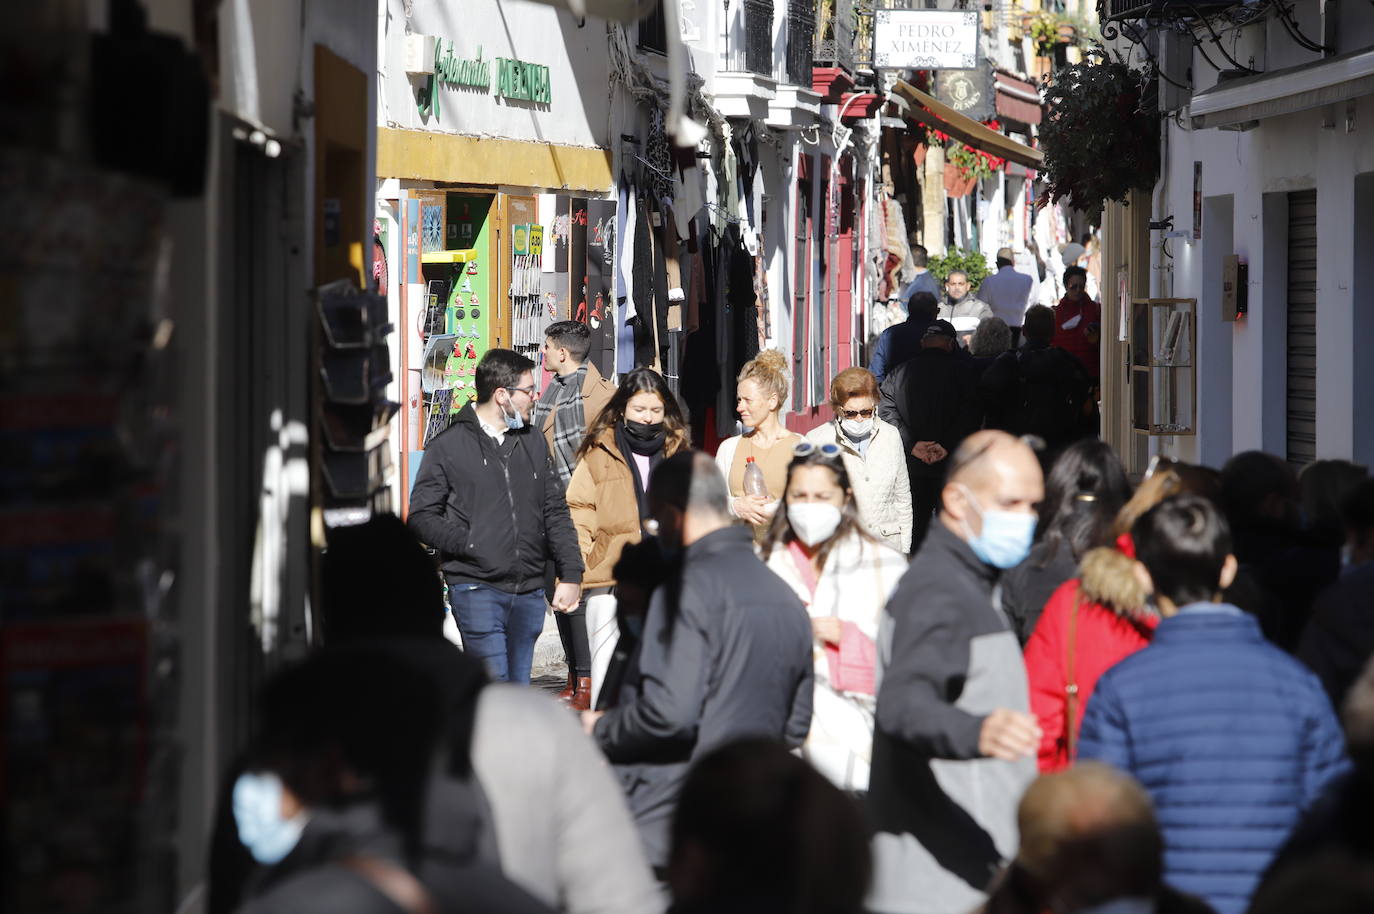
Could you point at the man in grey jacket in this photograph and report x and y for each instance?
(726, 652)
(959, 302)
(954, 745)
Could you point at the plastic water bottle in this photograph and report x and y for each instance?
(753, 479)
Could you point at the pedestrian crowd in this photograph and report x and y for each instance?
(937, 655)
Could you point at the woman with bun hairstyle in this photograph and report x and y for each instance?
(640, 426)
(760, 394)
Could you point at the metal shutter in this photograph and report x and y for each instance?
(1302, 328)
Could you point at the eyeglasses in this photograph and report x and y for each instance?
(857, 413)
(807, 448)
(524, 390)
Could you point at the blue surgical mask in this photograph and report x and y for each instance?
(1006, 538)
(257, 812)
(514, 421)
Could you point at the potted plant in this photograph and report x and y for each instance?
(1100, 134)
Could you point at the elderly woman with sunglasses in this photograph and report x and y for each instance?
(873, 456)
(844, 575)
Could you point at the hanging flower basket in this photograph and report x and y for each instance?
(1100, 135)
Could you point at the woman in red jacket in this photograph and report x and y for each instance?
(1094, 621)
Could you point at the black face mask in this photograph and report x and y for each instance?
(645, 437)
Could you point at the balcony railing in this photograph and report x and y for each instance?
(835, 33)
(751, 42)
(863, 41)
(801, 36)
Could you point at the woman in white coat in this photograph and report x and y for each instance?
(844, 575)
(873, 456)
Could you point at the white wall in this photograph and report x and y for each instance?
(577, 58)
(1257, 168)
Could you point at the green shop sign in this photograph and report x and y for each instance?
(515, 79)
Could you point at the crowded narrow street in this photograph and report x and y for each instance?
(685, 457)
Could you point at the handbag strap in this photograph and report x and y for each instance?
(1071, 684)
(398, 884)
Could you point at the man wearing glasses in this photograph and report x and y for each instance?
(487, 497)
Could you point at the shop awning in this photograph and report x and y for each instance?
(1253, 98)
(926, 109)
(1017, 99)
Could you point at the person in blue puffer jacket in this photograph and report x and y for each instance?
(1232, 737)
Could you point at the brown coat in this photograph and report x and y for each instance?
(596, 393)
(601, 497)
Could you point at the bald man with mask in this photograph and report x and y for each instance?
(954, 745)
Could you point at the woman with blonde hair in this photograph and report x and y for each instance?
(873, 456)
(640, 427)
(1097, 619)
(759, 397)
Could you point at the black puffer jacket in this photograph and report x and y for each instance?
(495, 512)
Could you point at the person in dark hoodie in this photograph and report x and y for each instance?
(487, 497)
(500, 793)
(954, 744)
(332, 801)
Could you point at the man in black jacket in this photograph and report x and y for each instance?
(726, 653)
(900, 342)
(488, 499)
(954, 742)
(931, 399)
(1038, 389)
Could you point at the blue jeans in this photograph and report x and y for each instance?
(498, 628)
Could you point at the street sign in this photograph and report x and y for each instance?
(970, 92)
(925, 39)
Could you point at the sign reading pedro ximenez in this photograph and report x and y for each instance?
(515, 79)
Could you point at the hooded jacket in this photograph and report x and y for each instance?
(494, 511)
(1112, 623)
(945, 815)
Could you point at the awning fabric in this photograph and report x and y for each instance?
(926, 109)
(1285, 91)
(1017, 99)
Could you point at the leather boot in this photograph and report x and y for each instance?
(582, 696)
(567, 694)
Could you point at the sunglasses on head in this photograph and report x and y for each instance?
(807, 448)
(857, 413)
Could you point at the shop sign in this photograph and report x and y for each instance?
(970, 92)
(514, 79)
(925, 39)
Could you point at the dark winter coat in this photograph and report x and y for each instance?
(932, 397)
(495, 512)
(729, 657)
(1339, 640)
(945, 815)
(1233, 739)
(313, 878)
(1037, 390)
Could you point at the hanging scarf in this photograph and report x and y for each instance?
(645, 447)
(569, 424)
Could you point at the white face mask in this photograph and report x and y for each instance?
(857, 428)
(813, 522)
